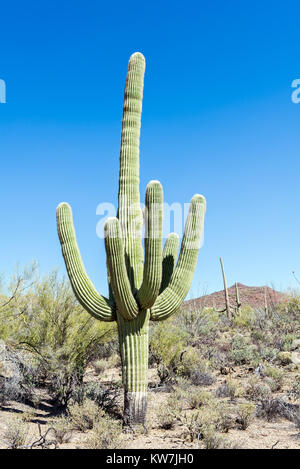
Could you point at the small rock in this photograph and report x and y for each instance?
(295, 344)
(259, 371)
(295, 357)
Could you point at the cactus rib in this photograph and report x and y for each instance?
(170, 300)
(84, 290)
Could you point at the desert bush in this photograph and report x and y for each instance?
(16, 433)
(166, 418)
(84, 416)
(106, 434)
(100, 366)
(167, 342)
(291, 309)
(19, 375)
(58, 336)
(230, 389)
(211, 439)
(276, 375)
(198, 323)
(190, 362)
(267, 409)
(223, 417)
(245, 413)
(202, 378)
(114, 361)
(256, 390)
(168, 414)
(294, 392)
(192, 425)
(244, 318)
(267, 354)
(196, 398)
(215, 414)
(63, 429)
(241, 352)
(105, 397)
(270, 408)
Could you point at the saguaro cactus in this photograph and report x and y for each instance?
(143, 286)
(227, 302)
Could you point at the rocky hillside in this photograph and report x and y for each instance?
(250, 296)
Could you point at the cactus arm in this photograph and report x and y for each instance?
(129, 211)
(84, 290)
(170, 300)
(149, 290)
(169, 256)
(119, 281)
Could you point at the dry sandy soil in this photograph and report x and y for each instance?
(280, 434)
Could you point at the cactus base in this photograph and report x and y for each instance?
(135, 409)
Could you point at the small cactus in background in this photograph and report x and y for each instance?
(227, 302)
(143, 286)
(237, 297)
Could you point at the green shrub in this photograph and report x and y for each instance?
(245, 414)
(83, 417)
(241, 352)
(190, 362)
(167, 342)
(230, 389)
(16, 433)
(63, 429)
(245, 317)
(295, 390)
(100, 366)
(106, 434)
(276, 377)
(256, 390)
(196, 398)
(166, 417)
(211, 439)
(55, 335)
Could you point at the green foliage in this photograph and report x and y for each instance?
(191, 362)
(196, 397)
(241, 351)
(63, 429)
(256, 390)
(167, 343)
(83, 416)
(276, 377)
(245, 414)
(16, 433)
(52, 339)
(244, 318)
(106, 434)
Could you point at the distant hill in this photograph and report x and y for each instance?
(251, 296)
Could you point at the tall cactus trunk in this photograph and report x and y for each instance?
(133, 337)
(227, 303)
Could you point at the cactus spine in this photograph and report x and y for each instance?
(143, 286)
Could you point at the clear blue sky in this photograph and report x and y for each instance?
(217, 119)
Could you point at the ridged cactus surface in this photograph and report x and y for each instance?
(145, 284)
